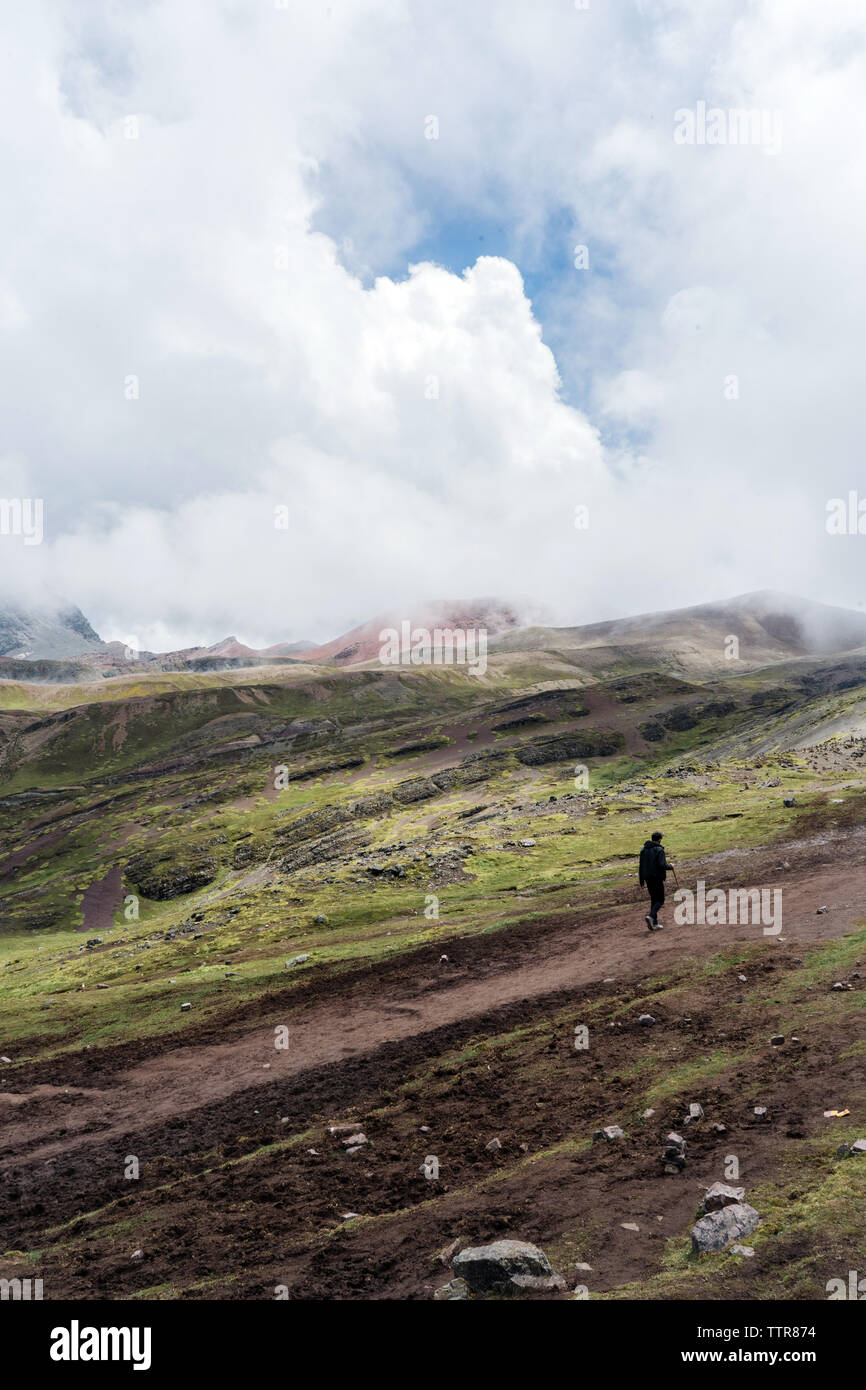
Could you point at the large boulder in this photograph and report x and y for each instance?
(492, 1267)
(720, 1228)
(721, 1194)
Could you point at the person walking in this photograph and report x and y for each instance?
(653, 867)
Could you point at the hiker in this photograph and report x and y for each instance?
(653, 867)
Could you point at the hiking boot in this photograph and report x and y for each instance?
(650, 923)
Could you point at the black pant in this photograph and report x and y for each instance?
(656, 889)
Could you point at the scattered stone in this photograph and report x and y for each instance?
(721, 1195)
(447, 1255)
(350, 1215)
(543, 1283)
(839, 985)
(493, 1146)
(454, 1289)
(819, 910)
(184, 1008)
(490, 1267)
(582, 1269)
(320, 919)
(629, 1225)
(777, 1040)
(137, 1255)
(526, 843)
(745, 1250)
(789, 801)
(718, 1128)
(610, 1133)
(647, 1114)
(720, 1228)
(646, 1020)
(696, 1112)
(742, 979)
(674, 1154)
(296, 960)
(859, 1146)
(5, 1059)
(760, 1112)
(355, 1141)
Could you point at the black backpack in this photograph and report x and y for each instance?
(652, 861)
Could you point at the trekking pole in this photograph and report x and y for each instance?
(674, 872)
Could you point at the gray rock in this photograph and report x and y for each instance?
(674, 1153)
(184, 1008)
(720, 1228)
(696, 1112)
(527, 843)
(610, 1133)
(543, 1283)
(721, 1195)
(859, 1146)
(489, 1267)
(455, 1288)
(745, 1250)
(296, 960)
(646, 1020)
(447, 1255)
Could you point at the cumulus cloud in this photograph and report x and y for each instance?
(202, 345)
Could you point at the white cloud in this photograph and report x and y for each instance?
(273, 368)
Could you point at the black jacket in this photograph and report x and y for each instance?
(653, 863)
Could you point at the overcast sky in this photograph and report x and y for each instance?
(321, 257)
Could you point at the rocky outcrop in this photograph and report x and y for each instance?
(588, 744)
(162, 879)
